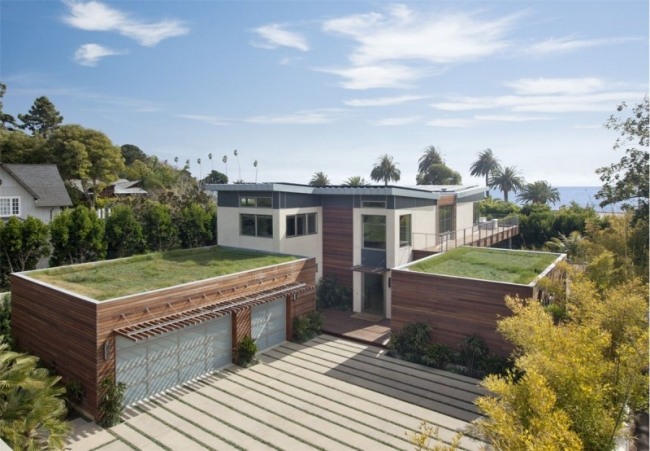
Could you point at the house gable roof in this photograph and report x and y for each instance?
(42, 181)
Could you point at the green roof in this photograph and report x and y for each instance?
(115, 278)
(499, 265)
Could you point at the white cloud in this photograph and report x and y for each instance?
(382, 101)
(569, 44)
(396, 121)
(90, 54)
(212, 120)
(275, 36)
(367, 77)
(510, 118)
(96, 16)
(450, 123)
(402, 38)
(556, 85)
(307, 117)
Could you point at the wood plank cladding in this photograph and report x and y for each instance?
(72, 334)
(338, 237)
(454, 307)
(447, 200)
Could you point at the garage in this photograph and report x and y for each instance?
(268, 323)
(158, 363)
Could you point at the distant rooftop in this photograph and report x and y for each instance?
(110, 279)
(42, 181)
(499, 265)
(419, 191)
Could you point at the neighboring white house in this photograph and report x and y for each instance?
(31, 190)
(355, 233)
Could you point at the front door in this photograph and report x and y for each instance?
(373, 294)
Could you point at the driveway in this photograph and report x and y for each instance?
(327, 394)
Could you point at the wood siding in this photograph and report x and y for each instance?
(454, 307)
(70, 333)
(338, 237)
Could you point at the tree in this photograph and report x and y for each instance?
(77, 236)
(7, 121)
(432, 170)
(583, 372)
(385, 170)
(215, 177)
(131, 153)
(159, 228)
(18, 147)
(438, 174)
(571, 245)
(239, 180)
(124, 236)
(539, 192)
(485, 164)
(225, 161)
(195, 226)
(23, 243)
(255, 166)
(355, 180)
(627, 180)
(319, 179)
(431, 156)
(42, 118)
(85, 154)
(32, 409)
(505, 180)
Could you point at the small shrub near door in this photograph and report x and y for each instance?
(307, 326)
(111, 403)
(411, 342)
(245, 352)
(330, 295)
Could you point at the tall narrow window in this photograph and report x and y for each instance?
(405, 230)
(374, 232)
(446, 219)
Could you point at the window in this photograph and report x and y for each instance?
(405, 230)
(374, 232)
(256, 225)
(9, 206)
(259, 202)
(373, 203)
(298, 225)
(446, 219)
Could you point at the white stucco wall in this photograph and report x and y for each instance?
(464, 215)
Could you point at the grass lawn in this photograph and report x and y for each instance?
(111, 279)
(489, 264)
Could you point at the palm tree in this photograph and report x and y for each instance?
(438, 174)
(385, 169)
(485, 164)
(355, 180)
(431, 156)
(506, 179)
(539, 192)
(198, 161)
(319, 179)
(32, 410)
(225, 161)
(571, 245)
(255, 166)
(238, 164)
(211, 163)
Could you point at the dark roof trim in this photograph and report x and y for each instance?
(177, 321)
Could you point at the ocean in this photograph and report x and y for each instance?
(584, 196)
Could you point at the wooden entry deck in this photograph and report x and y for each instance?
(358, 327)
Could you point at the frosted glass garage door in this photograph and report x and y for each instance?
(268, 323)
(157, 364)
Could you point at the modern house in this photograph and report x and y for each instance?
(131, 320)
(31, 190)
(356, 234)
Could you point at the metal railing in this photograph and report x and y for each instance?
(445, 241)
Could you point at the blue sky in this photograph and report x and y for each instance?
(331, 85)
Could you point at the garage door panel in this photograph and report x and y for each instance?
(157, 364)
(268, 324)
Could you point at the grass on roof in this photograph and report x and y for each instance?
(489, 264)
(111, 279)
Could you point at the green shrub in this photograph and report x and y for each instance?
(411, 342)
(245, 352)
(307, 326)
(74, 393)
(111, 402)
(558, 312)
(330, 295)
(472, 355)
(438, 355)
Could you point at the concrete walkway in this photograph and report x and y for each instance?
(330, 394)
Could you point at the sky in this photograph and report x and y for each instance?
(307, 86)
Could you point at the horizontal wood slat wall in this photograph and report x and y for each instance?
(301, 304)
(454, 307)
(69, 333)
(337, 244)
